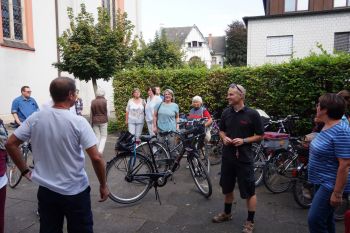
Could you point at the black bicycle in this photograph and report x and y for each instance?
(130, 174)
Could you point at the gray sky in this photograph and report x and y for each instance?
(211, 16)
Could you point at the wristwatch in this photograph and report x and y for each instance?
(245, 140)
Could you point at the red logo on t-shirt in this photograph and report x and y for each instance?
(242, 122)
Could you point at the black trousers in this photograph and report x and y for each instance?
(53, 207)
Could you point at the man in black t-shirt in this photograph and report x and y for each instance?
(240, 126)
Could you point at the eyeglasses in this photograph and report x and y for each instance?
(28, 91)
(233, 85)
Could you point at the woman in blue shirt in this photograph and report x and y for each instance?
(329, 163)
(166, 117)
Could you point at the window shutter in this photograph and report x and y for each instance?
(279, 46)
(342, 41)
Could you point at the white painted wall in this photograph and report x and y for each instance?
(307, 31)
(20, 67)
(202, 52)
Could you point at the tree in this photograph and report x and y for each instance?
(95, 51)
(236, 44)
(160, 53)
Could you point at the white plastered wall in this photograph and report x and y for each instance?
(307, 31)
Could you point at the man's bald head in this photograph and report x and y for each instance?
(61, 88)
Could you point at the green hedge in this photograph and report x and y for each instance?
(288, 88)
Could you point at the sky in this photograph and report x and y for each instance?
(210, 16)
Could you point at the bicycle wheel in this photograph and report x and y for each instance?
(161, 155)
(259, 161)
(200, 175)
(14, 175)
(127, 178)
(303, 192)
(214, 151)
(274, 175)
(339, 212)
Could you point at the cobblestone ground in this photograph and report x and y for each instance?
(183, 209)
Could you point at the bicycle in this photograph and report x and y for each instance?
(201, 146)
(279, 164)
(13, 173)
(177, 148)
(130, 175)
(263, 153)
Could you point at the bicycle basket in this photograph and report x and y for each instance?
(125, 142)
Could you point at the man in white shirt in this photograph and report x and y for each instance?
(57, 137)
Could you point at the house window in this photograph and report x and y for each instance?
(341, 3)
(200, 44)
(296, 5)
(342, 41)
(279, 46)
(12, 19)
(189, 44)
(16, 24)
(194, 44)
(214, 61)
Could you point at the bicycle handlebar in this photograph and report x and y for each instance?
(289, 117)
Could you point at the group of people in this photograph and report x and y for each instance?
(161, 113)
(58, 151)
(58, 133)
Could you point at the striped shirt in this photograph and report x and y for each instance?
(325, 149)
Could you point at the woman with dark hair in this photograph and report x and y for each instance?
(152, 101)
(329, 163)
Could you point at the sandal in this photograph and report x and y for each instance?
(222, 217)
(248, 227)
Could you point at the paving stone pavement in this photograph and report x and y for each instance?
(183, 209)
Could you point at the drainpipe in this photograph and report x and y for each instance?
(57, 36)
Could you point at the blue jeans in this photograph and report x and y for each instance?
(320, 217)
(53, 207)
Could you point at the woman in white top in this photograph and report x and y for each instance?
(135, 114)
(152, 101)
